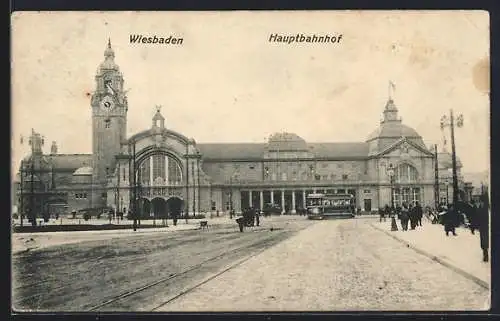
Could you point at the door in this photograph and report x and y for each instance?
(368, 205)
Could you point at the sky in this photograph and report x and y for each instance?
(228, 83)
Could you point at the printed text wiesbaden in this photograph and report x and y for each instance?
(301, 38)
(170, 40)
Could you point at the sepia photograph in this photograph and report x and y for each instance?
(250, 161)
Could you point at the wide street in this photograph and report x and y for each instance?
(298, 265)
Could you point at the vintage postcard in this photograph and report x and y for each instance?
(250, 161)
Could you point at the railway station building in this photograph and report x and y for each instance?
(174, 172)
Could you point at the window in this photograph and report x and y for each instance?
(344, 176)
(341, 191)
(317, 177)
(107, 123)
(324, 177)
(283, 176)
(104, 195)
(273, 176)
(324, 165)
(107, 170)
(213, 205)
(332, 177)
(406, 173)
(251, 166)
(406, 195)
(367, 191)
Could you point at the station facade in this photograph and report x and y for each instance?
(173, 172)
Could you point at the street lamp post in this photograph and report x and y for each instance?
(436, 179)
(133, 203)
(452, 122)
(194, 190)
(391, 172)
(21, 198)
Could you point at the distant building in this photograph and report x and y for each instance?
(174, 172)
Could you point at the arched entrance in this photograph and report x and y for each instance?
(159, 208)
(174, 206)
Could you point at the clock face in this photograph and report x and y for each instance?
(107, 103)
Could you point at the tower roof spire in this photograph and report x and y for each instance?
(109, 61)
(109, 53)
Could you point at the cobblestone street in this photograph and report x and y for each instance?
(337, 265)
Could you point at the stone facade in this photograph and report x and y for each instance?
(172, 170)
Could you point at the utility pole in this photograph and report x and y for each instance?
(134, 198)
(21, 199)
(198, 179)
(436, 178)
(187, 184)
(32, 194)
(452, 122)
(194, 190)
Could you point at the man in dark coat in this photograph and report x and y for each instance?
(413, 217)
(382, 214)
(472, 216)
(450, 220)
(484, 225)
(419, 213)
(387, 211)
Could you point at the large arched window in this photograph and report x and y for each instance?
(160, 169)
(406, 173)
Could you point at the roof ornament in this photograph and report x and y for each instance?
(392, 89)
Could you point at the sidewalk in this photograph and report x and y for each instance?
(461, 253)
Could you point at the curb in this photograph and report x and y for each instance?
(433, 257)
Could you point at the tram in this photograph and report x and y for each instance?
(321, 206)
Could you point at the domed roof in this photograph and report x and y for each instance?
(393, 129)
(287, 142)
(392, 126)
(83, 171)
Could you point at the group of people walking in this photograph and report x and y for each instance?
(406, 213)
(477, 214)
(451, 217)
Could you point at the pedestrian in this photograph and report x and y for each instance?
(382, 213)
(450, 220)
(404, 216)
(472, 217)
(484, 225)
(413, 216)
(257, 217)
(419, 213)
(387, 210)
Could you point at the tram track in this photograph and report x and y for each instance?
(150, 273)
(122, 301)
(31, 298)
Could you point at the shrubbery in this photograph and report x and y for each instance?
(199, 216)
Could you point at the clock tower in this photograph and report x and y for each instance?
(109, 122)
